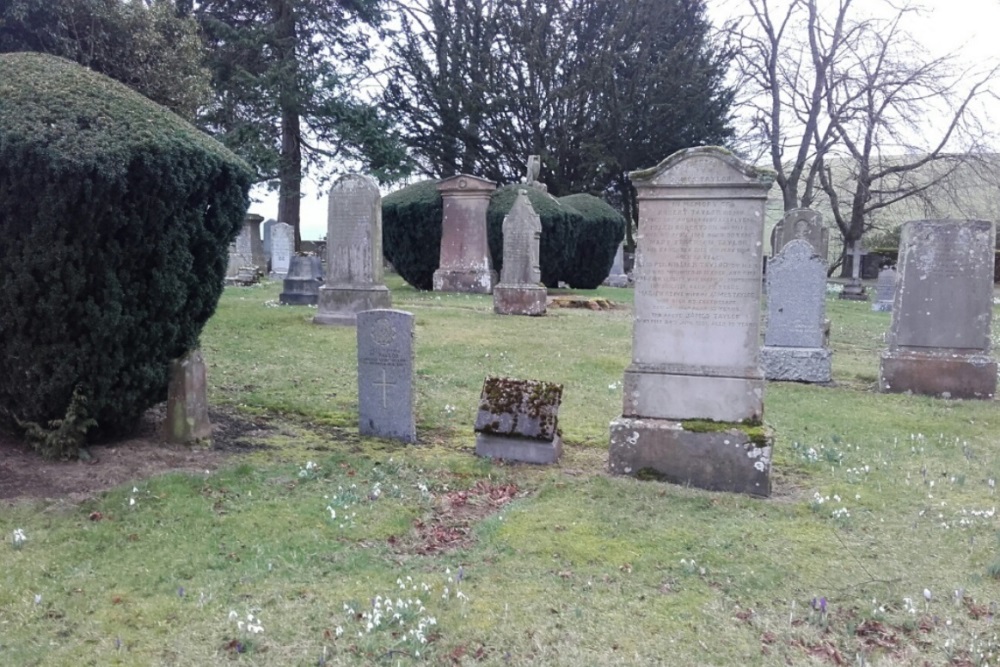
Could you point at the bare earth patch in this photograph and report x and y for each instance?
(25, 474)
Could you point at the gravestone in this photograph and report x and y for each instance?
(795, 336)
(805, 224)
(534, 168)
(266, 238)
(385, 374)
(854, 290)
(282, 248)
(694, 392)
(302, 282)
(187, 400)
(518, 420)
(246, 253)
(885, 290)
(520, 291)
(939, 339)
(465, 264)
(354, 279)
(617, 277)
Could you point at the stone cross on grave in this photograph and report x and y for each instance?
(531, 176)
(855, 291)
(384, 385)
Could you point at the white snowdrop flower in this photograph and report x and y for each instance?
(927, 594)
(135, 489)
(38, 598)
(131, 501)
(339, 631)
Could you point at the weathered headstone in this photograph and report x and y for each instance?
(265, 235)
(354, 280)
(187, 400)
(794, 340)
(939, 339)
(385, 374)
(520, 291)
(282, 248)
(246, 253)
(805, 224)
(855, 290)
(302, 282)
(465, 264)
(617, 277)
(885, 290)
(518, 420)
(694, 393)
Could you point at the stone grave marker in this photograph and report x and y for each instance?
(520, 291)
(187, 400)
(794, 339)
(302, 282)
(518, 420)
(805, 224)
(246, 253)
(939, 339)
(617, 277)
(282, 248)
(266, 239)
(694, 392)
(465, 264)
(855, 290)
(885, 290)
(385, 374)
(354, 280)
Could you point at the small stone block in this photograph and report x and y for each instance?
(941, 374)
(518, 449)
(341, 305)
(796, 364)
(518, 420)
(519, 300)
(187, 402)
(712, 460)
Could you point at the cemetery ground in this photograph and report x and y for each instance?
(299, 543)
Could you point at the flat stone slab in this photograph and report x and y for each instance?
(941, 374)
(519, 300)
(341, 305)
(518, 420)
(796, 364)
(713, 460)
(518, 449)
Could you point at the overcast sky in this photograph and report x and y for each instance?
(968, 27)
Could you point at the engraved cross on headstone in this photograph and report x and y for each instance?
(384, 385)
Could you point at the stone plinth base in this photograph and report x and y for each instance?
(187, 401)
(620, 280)
(942, 374)
(518, 449)
(519, 299)
(853, 293)
(341, 305)
(667, 395)
(474, 281)
(715, 460)
(795, 364)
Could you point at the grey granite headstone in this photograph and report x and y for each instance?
(939, 339)
(354, 280)
(885, 290)
(617, 277)
(794, 340)
(302, 283)
(805, 224)
(518, 420)
(520, 291)
(282, 248)
(265, 235)
(385, 374)
(696, 338)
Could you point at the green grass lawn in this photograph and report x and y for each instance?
(879, 546)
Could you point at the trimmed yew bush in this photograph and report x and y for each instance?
(601, 229)
(115, 218)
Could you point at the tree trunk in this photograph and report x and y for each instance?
(290, 166)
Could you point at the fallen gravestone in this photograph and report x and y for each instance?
(794, 346)
(520, 291)
(518, 420)
(694, 393)
(939, 339)
(385, 374)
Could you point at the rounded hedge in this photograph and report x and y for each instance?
(601, 230)
(115, 219)
(580, 234)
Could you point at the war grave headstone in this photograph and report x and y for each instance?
(617, 277)
(694, 392)
(518, 420)
(855, 290)
(302, 282)
(385, 374)
(885, 290)
(265, 235)
(187, 400)
(805, 224)
(520, 291)
(794, 339)
(354, 278)
(282, 248)
(465, 264)
(939, 339)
